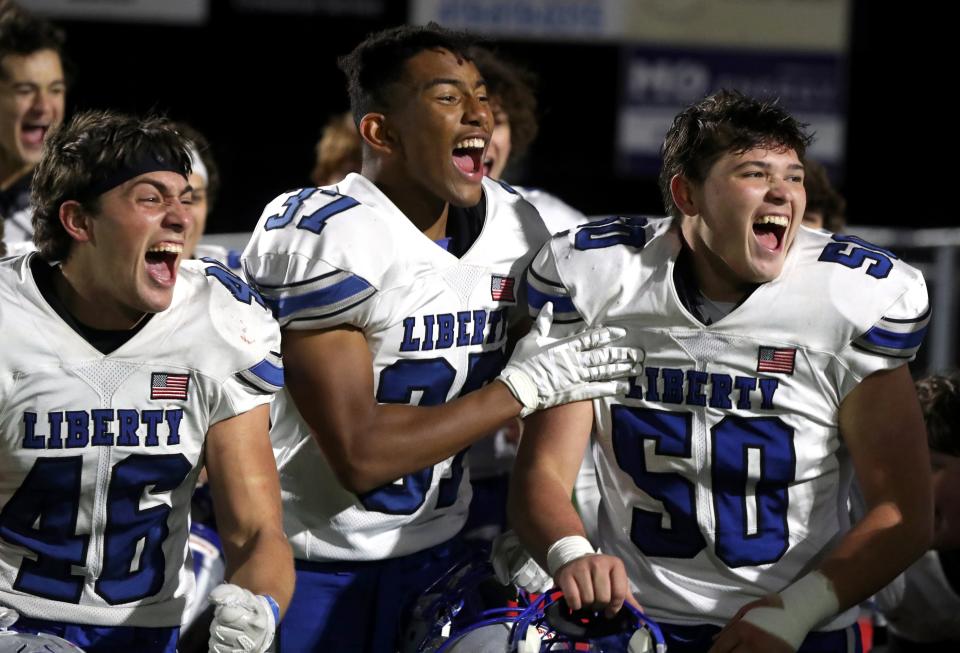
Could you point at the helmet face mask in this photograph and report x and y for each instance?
(12, 641)
(469, 611)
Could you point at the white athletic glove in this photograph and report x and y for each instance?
(514, 566)
(242, 621)
(544, 371)
(7, 617)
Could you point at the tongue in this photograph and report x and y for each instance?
(159, 269)
(767, 239)
(465, 162)
(32, 135)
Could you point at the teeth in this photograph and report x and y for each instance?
(168, 248)
(778, 220)
(470, 144)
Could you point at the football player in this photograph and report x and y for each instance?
(124, 371)
(396, 290)
(775, 368)
(32, 95)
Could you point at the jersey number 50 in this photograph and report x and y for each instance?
(753, 462)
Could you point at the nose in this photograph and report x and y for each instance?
(178, 216)
(779, 190)
(477, 112)
(42, 102)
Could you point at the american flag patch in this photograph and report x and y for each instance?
(776, 359)
(164, 385)
(501, 288)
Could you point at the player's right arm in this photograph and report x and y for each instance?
(329, 374)
(543, 515)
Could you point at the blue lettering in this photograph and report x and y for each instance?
(31, 441)
(409, 343)
(652, 374)
(463, 319)
(78, 428)
(746, 385)
(495, 318)
(173, 422)
(56, 420)
(636, 390)
(101, 422)
(427, 332)
(767, 388)
(672, 386)
(721, 385)
(695, 381)
(479, 324)
(444, 330)
(151, 418)
(129, 421)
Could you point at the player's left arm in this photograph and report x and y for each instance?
(882, 426)
(246, 498)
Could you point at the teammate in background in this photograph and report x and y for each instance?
(32, 93)
(514, 107)
(338, 150)
(122, 372)
(395, 290)
(775, 367)
(826, 208)
(922, 605)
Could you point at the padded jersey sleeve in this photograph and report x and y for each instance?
(545, 286)
(245, 370)
(296, 260)
(893, 340)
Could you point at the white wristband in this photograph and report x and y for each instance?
(806, 604)
(567, 549)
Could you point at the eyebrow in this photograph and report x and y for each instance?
(765, 165)
(437, 81)
(162, 187)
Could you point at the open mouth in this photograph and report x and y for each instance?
(468, 157)
(769, 231)
(488, 166)
(33, 135)
(162, 261)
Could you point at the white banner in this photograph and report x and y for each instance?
(786, 25)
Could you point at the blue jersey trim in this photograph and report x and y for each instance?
(536, 299)
(328, 296)
(272, 374)
(891, 340)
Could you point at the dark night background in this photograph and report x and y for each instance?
(260, 87)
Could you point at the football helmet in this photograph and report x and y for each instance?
(469, 611)
(13, 642)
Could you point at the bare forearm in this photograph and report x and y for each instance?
(875, 550)
(263, 565)
(541, 513)
(394, 440)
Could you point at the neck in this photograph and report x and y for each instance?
(714, 279)
(82, 297)
(426, 211)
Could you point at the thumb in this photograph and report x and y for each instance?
(544, 320)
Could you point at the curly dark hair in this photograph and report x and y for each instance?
(375, 65)
(512, 88)
(822, 197)
(726, 121)
(23, 33)
(78, 156)
(940, 402)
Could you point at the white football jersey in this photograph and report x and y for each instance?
(102, 451)
(723, 473)
(920, 604)
(557, 215)
(435, 324)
